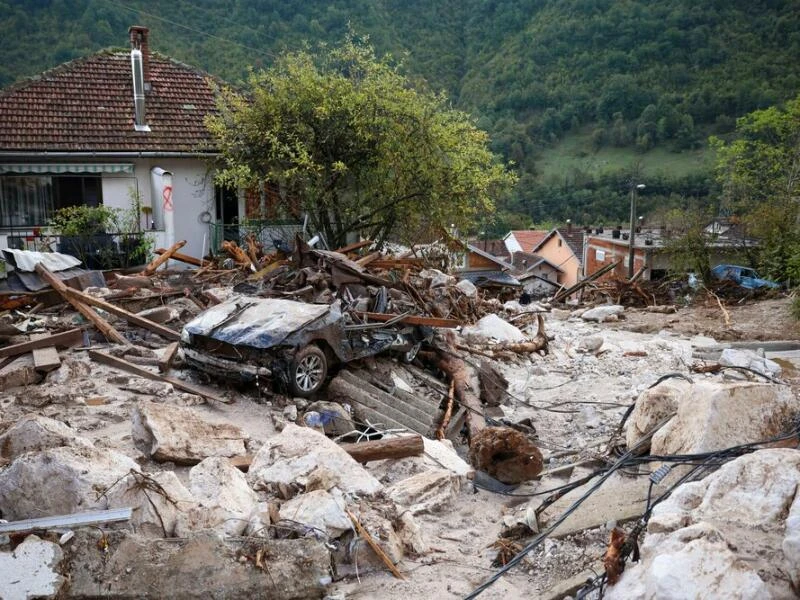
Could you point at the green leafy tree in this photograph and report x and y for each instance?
(355, 147)
(760, 175)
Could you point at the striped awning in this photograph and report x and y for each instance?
(56, 168)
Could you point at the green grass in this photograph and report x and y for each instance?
(574, 154)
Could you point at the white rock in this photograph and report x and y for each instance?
(694, 563)
(466, 287)
(410, 533)
(603, 313)
(713, 416)
(444, 455)
(653, 406)
(174, 433)
(34, 432)
(437, 278)
(298, 451)
(735, 357)
(591, 344)
(491, 327)
(155, 508)
(426, 492)
(31, 570)
(791, 541)
(60, 481)
(322, 510)
(225, 500)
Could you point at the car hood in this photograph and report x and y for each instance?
(258, 322)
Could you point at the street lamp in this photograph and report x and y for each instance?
(639, 186)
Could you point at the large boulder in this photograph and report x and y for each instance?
(493, 328)
(31, 570)
(156, 498)
(291, 456)
(322, 510)
(601, 314)
(425, 492)
(741, 357)
(726, 536)
(714, 416)
(35, 432)
(225, 501)
(60, 481)
(165, 432)
(653, 406)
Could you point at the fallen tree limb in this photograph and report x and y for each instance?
(151, 268)
(448, 413)
(111, 334)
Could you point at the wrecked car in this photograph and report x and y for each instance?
(744, 276)
(291, 343)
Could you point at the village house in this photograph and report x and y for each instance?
(538, 276)
(484, 269)
(562, 247)
(523, 240)
(113, 128)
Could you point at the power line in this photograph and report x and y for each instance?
(193, 30)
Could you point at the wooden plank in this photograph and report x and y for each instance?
(119, 363)
(45, 359)
(111, 334)
(151, 268)
(410, 319)
(397, 263)
(73, 337)
(137, 320)
(166, 359)
(369, 258)
(184, 258)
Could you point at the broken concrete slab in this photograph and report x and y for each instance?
(19, 372)
(156, 498)
(225, 501)
(165, 432)
(652, 407)
(60, 481)
(426, 492)
(33, 433)
(714, 416)
(322, 510)
(199, 568)
(31, 570)
(297, 451)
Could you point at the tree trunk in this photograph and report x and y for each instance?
(399, 447)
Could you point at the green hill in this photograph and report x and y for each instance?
(571, 90)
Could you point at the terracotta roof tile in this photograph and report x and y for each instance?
(87, 105)
(529, 238)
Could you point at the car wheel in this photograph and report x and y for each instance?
(410, 354)
(308, 371)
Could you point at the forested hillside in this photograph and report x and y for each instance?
(622, 78)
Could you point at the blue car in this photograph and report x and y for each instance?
(744, 276)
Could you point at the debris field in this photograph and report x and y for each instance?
(311, 423)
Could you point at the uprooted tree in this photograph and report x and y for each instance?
(351, 143)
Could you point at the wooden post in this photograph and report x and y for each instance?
(111, 334)
(399, 447)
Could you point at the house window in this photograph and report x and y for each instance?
(600, 255)
(559, 243)
(31, 200)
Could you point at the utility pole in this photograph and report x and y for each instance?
(632, 236)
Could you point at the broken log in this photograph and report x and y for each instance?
(119, 363)
(399, 447)
(111, 334)
(131, 318)
(238, 255)
(73, 337)
(184, 258)
(151, 268)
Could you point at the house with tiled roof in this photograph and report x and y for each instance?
(107, 129)
(523, 240)
(538, 276)
(563, 248)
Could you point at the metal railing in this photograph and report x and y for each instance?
(271, 234)
(97, 251)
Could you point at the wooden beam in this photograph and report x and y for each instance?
(184, 258)
(45, 359)
(353, 247)
(166, 359)
(369, 258)
(134, 319)
(124, 365)
(111, 334)
(410, 319)
(73, 337)
(399, 447)
(151, 268)
(397, 263)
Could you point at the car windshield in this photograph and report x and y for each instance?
(749, 273)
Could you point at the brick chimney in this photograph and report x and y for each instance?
(138, 36)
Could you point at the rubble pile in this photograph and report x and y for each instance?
(453, 440)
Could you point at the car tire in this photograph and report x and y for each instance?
(307, 371)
